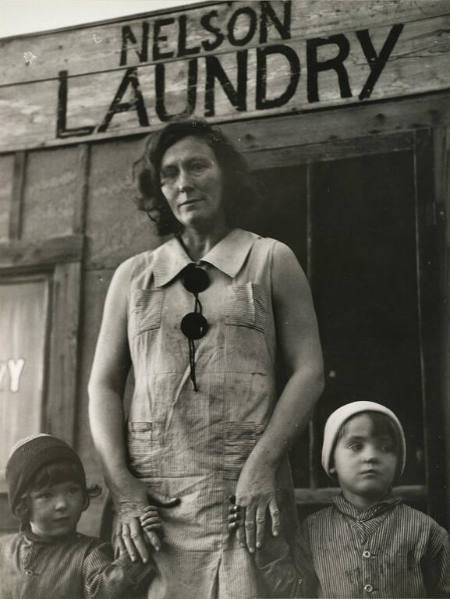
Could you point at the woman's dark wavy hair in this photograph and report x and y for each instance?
(238, 187)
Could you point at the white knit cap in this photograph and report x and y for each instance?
(342, 414)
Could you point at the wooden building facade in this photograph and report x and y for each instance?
(342, 109)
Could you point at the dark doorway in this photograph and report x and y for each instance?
(357, 221)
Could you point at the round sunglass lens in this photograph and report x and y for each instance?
(194, 325)
(195, 279)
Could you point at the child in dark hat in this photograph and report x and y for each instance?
(48, 558)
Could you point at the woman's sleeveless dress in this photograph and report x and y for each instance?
(192, 445)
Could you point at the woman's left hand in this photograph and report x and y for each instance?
(255, 494)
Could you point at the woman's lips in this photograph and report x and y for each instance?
(62, 520)
(190, 202)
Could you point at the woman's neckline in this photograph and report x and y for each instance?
(198, 254)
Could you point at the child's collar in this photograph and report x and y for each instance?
(42, 539)
(347, 508)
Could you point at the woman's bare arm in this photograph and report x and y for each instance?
(106, 386)
(107, 382)
(299, 344)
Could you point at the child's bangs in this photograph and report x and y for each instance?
(57, 472)
(382, 426)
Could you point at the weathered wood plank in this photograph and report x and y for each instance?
(53, 191)
(334, 150)
(98, 47)
(62, 387)
(79, 211)
(441, 142)
(6, 192)
(114, 226)
(326, 494)
(16, 206)
(287, 82)
(50, 251)
(339, 124)
(95, 286)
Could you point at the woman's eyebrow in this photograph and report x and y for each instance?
(188, 158)
(196, 158)
(168, 167)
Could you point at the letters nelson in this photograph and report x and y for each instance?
(255, 39)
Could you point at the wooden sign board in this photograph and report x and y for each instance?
(221, 61)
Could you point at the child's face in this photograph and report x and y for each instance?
(56, 509)
(365, 464)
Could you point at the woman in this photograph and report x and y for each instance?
(202, 319)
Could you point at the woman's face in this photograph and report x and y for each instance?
(191, 181)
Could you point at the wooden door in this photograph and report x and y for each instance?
(361, 222)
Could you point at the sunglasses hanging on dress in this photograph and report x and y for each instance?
(194, 325)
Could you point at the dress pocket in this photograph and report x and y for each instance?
(247, 308)
(240, 439)
(140, 440)
(146, 310)
(245, 323)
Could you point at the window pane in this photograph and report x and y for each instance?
(23, 324)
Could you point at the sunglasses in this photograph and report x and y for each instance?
(194, 325)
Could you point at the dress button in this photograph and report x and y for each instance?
(368, 588)
(366, 554)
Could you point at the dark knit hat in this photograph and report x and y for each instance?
(29, 455)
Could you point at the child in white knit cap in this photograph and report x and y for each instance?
(369, 543)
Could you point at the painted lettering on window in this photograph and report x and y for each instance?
(10, 374)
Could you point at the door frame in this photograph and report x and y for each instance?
(292, 148)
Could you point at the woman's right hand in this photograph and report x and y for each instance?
(132, 505)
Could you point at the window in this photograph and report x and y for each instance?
(23, 328)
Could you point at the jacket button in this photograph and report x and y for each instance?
(366, 554)
(368, 588)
